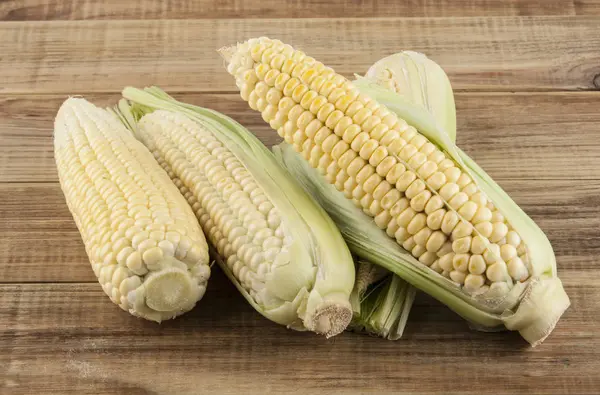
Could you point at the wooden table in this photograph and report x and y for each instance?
(526, 76)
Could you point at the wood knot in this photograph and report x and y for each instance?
(596, 81)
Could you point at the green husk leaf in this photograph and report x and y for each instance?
(421, 82)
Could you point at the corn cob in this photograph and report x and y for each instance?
(281, 250)
(414, 191)
(143, 240)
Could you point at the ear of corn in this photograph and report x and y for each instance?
(280, 249)
(463, 240)
(143, 241)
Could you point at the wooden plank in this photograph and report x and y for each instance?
(69, 339)
(587, 7)
(40, 239)
(497, 53)
(30, 10)
(547, 136)
(528, 135)
(36, 215)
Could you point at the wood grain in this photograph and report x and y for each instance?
(30, 10)
(513, 53)
(36, 215)
(544, 136)
(520, 69)
(587, 7)
(99, 349)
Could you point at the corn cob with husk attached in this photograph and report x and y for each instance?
(469, 244)
(280, 249)
(143, 241)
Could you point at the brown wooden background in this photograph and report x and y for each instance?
(527, 82)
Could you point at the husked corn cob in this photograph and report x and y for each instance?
(412, 189)
(268, 243)
(142, 238)
(233, 210)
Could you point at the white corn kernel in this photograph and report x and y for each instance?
(474, 282)
(499, 231)
(462, 229)
(435, 241)
(497, 272)
(517, 269)
(428, 258)
(462, 245)
(460, 262)
(513, 238)
(458, 276)
(492, 253)
(507, 252)
(477, 264)
(478, 245)
(446, 262)
(485, 229)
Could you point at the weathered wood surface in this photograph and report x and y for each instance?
(511, 135)
(513, 53)
(35, 214)
(31, 10)
(527, 75)
(99, 349)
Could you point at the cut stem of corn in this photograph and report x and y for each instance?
(143, 240)
(384, 301)
(413, 183)
(280, 249)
